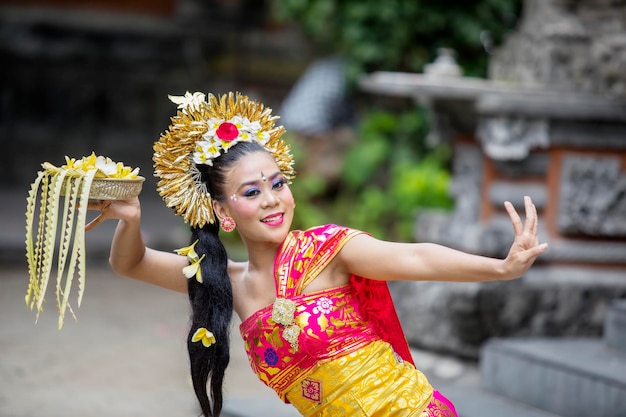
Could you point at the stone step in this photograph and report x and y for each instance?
(475, 402)
(615, 326)
(568, 377)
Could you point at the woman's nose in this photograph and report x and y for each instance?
(270, 199)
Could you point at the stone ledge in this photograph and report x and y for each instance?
(501, 191)
(494, 97)
(615, 326)
(593, 252)
(570, 377)
(471, 402)
(457, 318)
(552, 104)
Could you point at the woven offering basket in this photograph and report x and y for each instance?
(115, 188)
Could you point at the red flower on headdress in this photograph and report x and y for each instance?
(227, 131)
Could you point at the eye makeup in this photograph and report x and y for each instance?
(253, 188)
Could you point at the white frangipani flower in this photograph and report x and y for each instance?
(262, 137)
(106, 165)
(188, 100)
(205, 152)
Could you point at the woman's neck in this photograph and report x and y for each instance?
(261, 258)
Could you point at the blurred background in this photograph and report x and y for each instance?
(412, 120)
(83, 76)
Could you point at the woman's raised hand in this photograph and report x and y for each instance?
(128, 210)
(526, 247)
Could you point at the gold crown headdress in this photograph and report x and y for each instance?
(200, 132)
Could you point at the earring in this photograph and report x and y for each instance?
(228, 224)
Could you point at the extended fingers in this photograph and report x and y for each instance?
(531, 224)
(515, 219)
(531, 216)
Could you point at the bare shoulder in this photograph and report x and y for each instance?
(363, 246)
(353, 252)
(367, 256)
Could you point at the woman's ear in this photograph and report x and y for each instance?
(220, 210)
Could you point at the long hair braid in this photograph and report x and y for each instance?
(212, 300)
(212, 307)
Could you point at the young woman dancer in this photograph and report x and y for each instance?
(318, 322)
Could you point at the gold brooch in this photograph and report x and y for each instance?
(283, 312)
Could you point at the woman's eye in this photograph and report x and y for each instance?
(252, 192)
(278, 184)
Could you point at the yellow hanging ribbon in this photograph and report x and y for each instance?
(41, 243)
(43, 207)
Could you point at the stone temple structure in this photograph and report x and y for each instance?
(549, 122)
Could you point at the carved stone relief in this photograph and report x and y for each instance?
(512, 138)
(567, 44)
(592, 196)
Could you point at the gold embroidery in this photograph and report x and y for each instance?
(437, 409)
(312, 390)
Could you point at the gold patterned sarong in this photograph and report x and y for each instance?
(373, 381)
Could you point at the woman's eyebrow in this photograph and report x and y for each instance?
(255, 182)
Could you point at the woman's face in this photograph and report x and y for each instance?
(258, 198)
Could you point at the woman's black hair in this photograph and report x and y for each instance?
(212, 300)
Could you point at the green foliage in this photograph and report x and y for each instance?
(397, 174)
(388, 174)
(402, 35)
(309, 192)
(373, 150)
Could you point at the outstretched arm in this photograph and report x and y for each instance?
(369, 257)
(129, 255)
